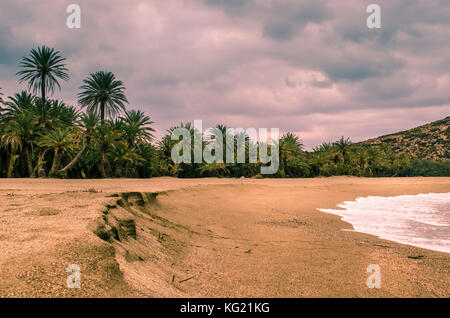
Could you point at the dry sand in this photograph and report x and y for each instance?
(206, 238)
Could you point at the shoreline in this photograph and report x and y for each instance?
(364, 220)
(209, 238)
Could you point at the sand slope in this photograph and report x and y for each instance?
(205, 237)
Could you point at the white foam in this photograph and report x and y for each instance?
(421, 220)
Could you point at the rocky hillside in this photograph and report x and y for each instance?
(430, 141)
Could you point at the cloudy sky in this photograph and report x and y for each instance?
(309, 67)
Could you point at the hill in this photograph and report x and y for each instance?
(430, 141)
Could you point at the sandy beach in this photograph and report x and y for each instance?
(167, 237)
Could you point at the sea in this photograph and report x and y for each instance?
(421, 220)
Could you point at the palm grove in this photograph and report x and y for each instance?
(44, 137)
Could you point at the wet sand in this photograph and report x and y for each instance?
(206, 238)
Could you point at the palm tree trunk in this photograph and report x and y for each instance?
(118, 172)
(77, 157)
(102, 111)
(43, 99)
(285, 169)
(55, 163)
(27, 151)
(106, 164)
(8, 170)
(103, 165)
(40, 163)
(101, 168)
(10, 161)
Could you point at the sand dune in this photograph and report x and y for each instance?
(168, 237)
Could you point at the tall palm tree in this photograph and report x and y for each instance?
(42, 69)
(103, 94)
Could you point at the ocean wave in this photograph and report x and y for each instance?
(421, 220)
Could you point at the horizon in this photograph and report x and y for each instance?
(312, 68)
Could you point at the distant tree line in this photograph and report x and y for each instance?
(45, 137)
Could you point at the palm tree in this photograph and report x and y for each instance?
(107, 138)
(2, 102)
(102, 93)
(124, 156)
(42, 69)
(19, 134)
(323, 147)
(60, 114)
(290, 146)
(137, 127)
(58, 140)
(87, 124)
(214, 169)
(317, 160)
(342, 145)
(11, 142)
(165, 146)
(362, 161)
(20, 103)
